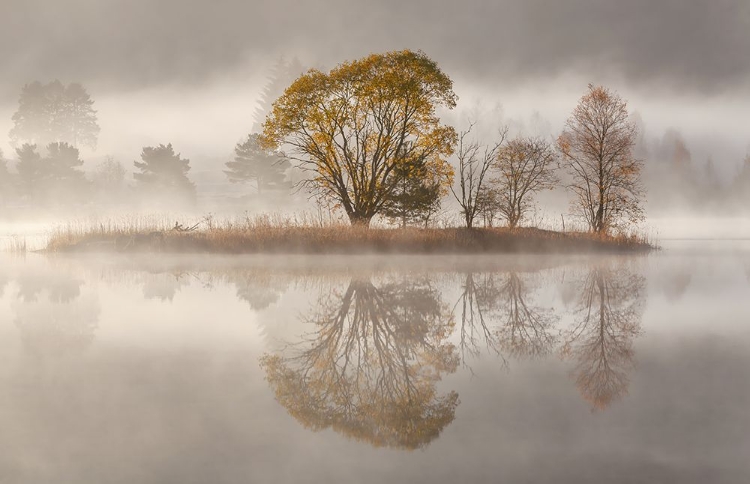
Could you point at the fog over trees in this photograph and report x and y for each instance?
(55, 112)
(373, 140)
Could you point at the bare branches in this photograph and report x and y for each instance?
(474, 164)
(525, 166)
(597, 150)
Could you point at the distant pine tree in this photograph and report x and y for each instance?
(267, 169)
(164, 173)
(56, 177)
(30, 169)
(282, 75)
(6, 182)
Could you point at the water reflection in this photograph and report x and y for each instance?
(260, 289)
(601, 342)
(96, 381)
(164, 286)
(497, 314)
(53, 317)
(369, 368)
(526, 329)
(375, 345)
(480, 297)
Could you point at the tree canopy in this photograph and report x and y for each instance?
(525, 166)
(55, 176)
(54, 112)
(163, 171)
(352, 127)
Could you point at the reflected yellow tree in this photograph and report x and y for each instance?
(370, 368)
(601, 341)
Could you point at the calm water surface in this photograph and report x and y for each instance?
(409, 369)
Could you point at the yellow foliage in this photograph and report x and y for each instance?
(356, 124)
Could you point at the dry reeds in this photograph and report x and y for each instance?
(301, 234)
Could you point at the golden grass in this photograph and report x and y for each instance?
(266, 234)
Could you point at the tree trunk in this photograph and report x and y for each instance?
(359, 220)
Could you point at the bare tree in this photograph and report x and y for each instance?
(474, 163)
(527, 330)
(597, 148)
(526, 166)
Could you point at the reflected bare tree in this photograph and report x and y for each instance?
(496, 314)
(479, 299)
(601, 341)
(527, 328)
(370, 368)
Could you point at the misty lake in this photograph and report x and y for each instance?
(575, 369)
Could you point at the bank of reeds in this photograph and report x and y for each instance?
(268, 235)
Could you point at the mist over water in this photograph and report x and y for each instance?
(564, 369)
(132, 143)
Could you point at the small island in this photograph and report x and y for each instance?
(366, 142)
(258, 239)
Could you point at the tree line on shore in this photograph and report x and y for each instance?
(364, 138)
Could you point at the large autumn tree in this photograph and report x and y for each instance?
(597, 148)
(351, 128)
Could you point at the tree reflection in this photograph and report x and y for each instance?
(164, 286)
(601, 342)
(371, 367)
(527, 329)
(260, 289)
(53, 316)
(480, 298)
(496, 313)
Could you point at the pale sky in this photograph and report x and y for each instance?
(190, 72)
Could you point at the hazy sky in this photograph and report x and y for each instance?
(177, 68)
